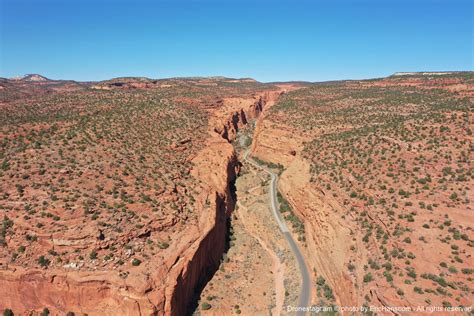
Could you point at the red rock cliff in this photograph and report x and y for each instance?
(165, 288)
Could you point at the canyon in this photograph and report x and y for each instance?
(151, 282)
(356, 202)
(131, 195)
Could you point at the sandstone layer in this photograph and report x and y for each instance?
(379, 230)
(169, 233)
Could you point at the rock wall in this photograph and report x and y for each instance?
(239, 111)
(327, 236)
(209, 248)
(217, 166)
(28, 292)
(161, 287)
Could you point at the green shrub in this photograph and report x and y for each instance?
(351, 267)
(388, 276)
(44, 262)
(418, 290)
(163, 245)
(320, 281)
(8, 312)
(136, 262)
(411, 273)
(467, 271)
(206, 306)
(368, 278)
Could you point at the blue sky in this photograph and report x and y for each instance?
(263, 39)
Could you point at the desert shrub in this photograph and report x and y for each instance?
(351, 267)
(368, 278)
(44, 262)
(163, 245)
(136, 262)
(418, 290)
(206, 306)
(93, 255)
(388, 276)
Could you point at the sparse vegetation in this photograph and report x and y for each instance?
(206, 306)
(392, 157)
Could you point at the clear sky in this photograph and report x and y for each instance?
(266, 40)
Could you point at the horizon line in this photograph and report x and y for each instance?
(399, 73)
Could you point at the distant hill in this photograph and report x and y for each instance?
(32, 78)
(429, 73)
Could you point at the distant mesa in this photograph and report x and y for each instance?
(32, 78)
(144, 82)
(425, 73)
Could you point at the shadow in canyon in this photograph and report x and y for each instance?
(211, 270)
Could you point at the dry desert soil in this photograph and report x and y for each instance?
(132, 196)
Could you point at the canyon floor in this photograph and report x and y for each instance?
(376, 180)
(132, 196)
(259, 274)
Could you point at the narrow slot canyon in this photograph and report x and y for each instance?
(259, 273)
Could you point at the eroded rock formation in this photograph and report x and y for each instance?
(163, 286)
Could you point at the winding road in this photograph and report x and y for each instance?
(305, 277)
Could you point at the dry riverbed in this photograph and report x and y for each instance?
(258, 275)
